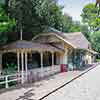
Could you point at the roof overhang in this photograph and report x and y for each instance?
(28, 45)
(92, 51)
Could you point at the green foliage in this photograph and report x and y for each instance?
(76, 27)
(91, 19)
(2, 2)
(85, 31)
(90, 16)
(95, 39)
(11, 68)
(33, 15)
(50, 13)
(24, 11)
(98, 60)
(6, 25)
(67, 23)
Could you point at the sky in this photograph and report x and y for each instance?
(74, 7)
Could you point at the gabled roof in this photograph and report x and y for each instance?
(76, 39)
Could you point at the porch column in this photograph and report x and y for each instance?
(52, 59)
(0, 63)
(75, 57)
(41, 54)
(26, 68)
(65, 59)
(18, 61)
(41, 59)
(22, 65)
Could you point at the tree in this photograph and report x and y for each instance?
(33, 15)
(90, 17)
(67, 23)
(50, 13)
(95, 39)
(25, 14)
(6, 25)
(85, 31)
(76, 26)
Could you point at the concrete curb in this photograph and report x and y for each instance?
(69, 81)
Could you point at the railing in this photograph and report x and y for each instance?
(6, 79)
(37, 74)
(29, 76)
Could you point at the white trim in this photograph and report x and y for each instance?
(18, 61)
(26, 67)
(22, 66)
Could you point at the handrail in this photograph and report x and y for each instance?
(9, 78)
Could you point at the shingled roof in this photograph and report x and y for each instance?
(23, 44)
(75, 39)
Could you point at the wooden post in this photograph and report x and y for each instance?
(18, 61)
(52, 69)
(6, 83)
(65, 59)
(41, 59)
(26, 68)
(22, 65)
(41, 64)
(52, 59)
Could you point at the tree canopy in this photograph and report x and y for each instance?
(92, 20)
(96, 41)
(6, 25)
(31, 16)
(90, 17)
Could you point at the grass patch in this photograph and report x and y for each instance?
(98, 60)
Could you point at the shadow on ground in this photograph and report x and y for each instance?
(30, 89)
(86, 67)
(27, 95)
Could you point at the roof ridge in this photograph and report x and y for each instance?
(73, 33)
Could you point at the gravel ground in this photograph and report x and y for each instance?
(37, 90)
(87, 87)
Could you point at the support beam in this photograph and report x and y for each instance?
(41, 55)
(52, 59)
(41, 59)
(22, 65)
(26, 68)
(18, 61)
(65, 59)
